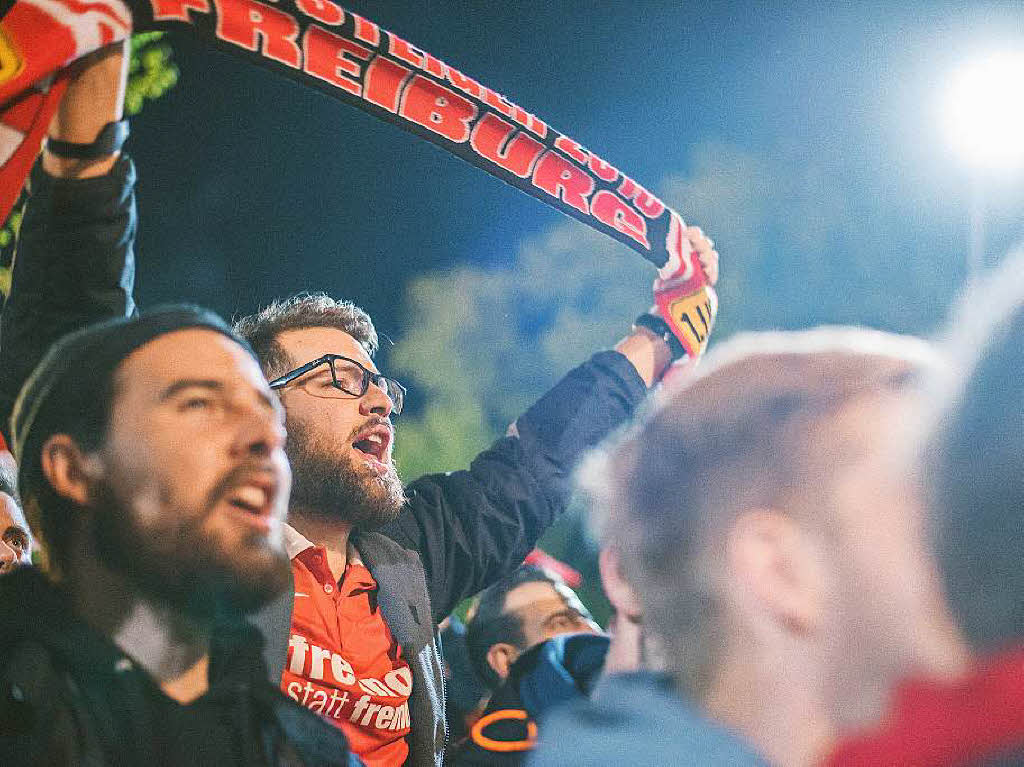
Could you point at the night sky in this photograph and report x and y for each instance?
(252, 187)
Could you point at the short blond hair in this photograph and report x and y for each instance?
(749, 430)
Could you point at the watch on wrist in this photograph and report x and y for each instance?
(659, 327)
(109, 141)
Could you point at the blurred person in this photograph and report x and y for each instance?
(375, 566)
(508, 643)
(973, 465)
(549, 674)
(15, 536)
(765, 521)
(159, 484)
(563, 668)
(528, 607)
(466, 693)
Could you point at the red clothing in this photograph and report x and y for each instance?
(343, 662)
(948, 725)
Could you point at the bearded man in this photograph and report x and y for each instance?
(158, 483)
(376, 566)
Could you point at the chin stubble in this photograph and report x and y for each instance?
(335, 487)
(182, 567)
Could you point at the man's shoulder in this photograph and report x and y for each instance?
(980, 715)
(310, 739)
(637, 719)
(41, 717)
(33, 609)
(378, 549)
(402, 587)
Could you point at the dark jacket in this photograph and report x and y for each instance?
(459, 532)
(550, 674)
(636, 719)
(69, 696)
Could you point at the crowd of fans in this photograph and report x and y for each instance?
(811, 543)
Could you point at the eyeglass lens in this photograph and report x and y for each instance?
(350, 378)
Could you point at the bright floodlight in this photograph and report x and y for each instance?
(985, 112)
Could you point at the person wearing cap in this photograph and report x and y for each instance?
(159, 485)
(376, 566)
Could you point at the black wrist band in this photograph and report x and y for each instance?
(109, 141)
(659, 327)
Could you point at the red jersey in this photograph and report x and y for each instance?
(343, 663)
(978, 720)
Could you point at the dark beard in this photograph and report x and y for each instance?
(332, 487)
(182, 569)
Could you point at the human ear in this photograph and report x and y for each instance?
(68, 469)
(500, 657)
(622, 596)
(777, 566)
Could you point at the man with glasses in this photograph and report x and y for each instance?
(376, 567)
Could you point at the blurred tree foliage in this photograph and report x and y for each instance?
(151, 74)
(486, 342)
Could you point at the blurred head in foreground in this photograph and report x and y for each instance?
(151, 463)
(975, 467)
(766, 517)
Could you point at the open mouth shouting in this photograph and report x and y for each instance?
(252, 499)
(373, 445)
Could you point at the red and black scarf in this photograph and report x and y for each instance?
(322, 45)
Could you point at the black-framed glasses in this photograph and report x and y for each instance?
(350, 377)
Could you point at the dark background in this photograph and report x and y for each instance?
(253, 188)
(805, 137)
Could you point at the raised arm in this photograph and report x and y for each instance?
(473, 527)
(74, 264)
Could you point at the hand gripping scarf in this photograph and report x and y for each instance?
(320, 44)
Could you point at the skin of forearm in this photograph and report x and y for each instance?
(648, 352)
(95, 97)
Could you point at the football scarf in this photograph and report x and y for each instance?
(320, 44)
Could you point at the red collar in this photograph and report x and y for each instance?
(947, 724)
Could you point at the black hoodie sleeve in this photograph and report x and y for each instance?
(74, 265)
(473, 527)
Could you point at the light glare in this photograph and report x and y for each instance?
(985, 112)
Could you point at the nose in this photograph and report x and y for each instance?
(8, 557)
(375, 402)
(259, 431)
